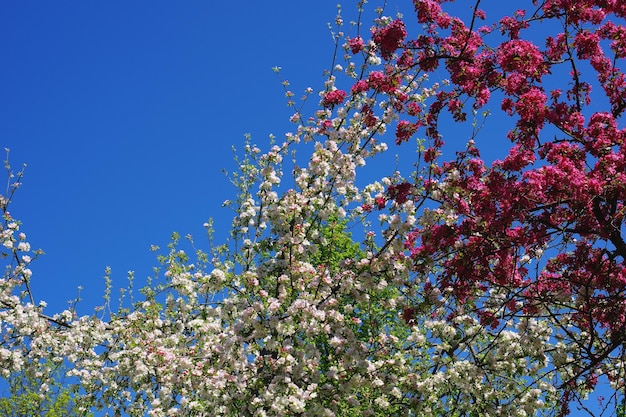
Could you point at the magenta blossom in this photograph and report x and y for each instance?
(334, 98)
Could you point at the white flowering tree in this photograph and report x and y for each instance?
(294, 315)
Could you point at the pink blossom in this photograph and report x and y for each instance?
(334, 98)
(390, 38)
(356, 44)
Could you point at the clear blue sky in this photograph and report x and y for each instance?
(125, 114)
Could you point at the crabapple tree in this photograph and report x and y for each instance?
(541, 229)
(441, 283)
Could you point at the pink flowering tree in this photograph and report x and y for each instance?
(467, 286)
(538, 233)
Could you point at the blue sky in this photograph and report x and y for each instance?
(125, 114)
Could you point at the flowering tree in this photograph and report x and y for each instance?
(538, 233)
(470, 287)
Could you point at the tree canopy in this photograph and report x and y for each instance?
(444, 284)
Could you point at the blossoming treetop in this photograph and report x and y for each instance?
(473, 287)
